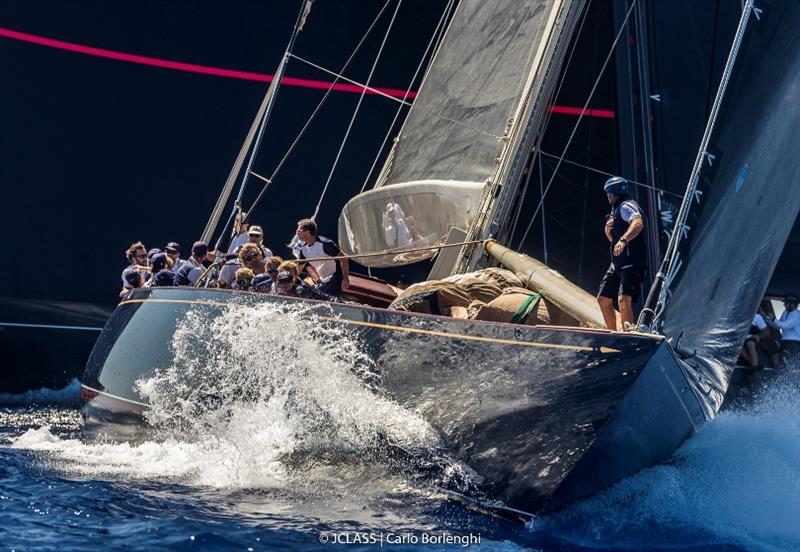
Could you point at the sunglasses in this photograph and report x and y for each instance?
(272, 271)
(251, 256)
(140, 256)
(285, 281)
(243, 282)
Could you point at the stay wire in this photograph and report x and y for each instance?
(317, 109)
(578, 122)
(436, 33)
(355, 112)
(274, 86)
(392, 98)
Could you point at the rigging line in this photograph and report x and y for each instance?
(355, 112)
(313, 115)
(398, 100)
(552, 109)
(436, 32)
(604, 173)
(269, 102)
(578, 122)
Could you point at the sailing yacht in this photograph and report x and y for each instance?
(544, 414)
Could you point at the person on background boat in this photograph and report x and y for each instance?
(193, 268)
(789, 324)
(757, 334)
(331, 276)
(173, 251)
(163, 276)
(137, 257)
(625, 232)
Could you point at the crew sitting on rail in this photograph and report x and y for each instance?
(289, 285)
(243, 279)
(254, 235)
(251, 257)
(137, 257)
(162, 275)
(273, 264)
(173, 251)
(193, 268)
(227, 273)
(330, 276)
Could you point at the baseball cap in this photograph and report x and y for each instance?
(173, 247)
(255, 231)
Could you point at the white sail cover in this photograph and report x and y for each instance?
(453, 132)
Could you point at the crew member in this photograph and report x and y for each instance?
(173, 251)
(625, 232)
(136, 273)
(193, 268)
(331, 276)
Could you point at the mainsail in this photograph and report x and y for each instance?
(446, 157)
(748, 203)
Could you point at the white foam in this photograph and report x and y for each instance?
(245, 392)
(67, 396)
(738, 480)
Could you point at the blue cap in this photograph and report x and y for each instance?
(616, 185)
(153, 252)
(159, 262)
(132, 277)
(173, 247)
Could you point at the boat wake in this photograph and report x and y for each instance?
(736, 483)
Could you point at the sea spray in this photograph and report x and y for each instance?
(280, 369)
(248, 398)
(736, 482)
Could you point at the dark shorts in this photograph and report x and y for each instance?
(622, 281)
(332, 287)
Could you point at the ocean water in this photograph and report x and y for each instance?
(276, 473)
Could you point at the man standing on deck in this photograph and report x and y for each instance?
(625, 232)
(331, 276)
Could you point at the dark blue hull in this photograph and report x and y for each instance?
(544, 414)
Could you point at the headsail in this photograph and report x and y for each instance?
(491, 56)
(750, 198)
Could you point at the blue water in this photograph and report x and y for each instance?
(733, 486)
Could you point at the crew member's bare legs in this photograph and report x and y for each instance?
(625, 309)
(609, 314)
